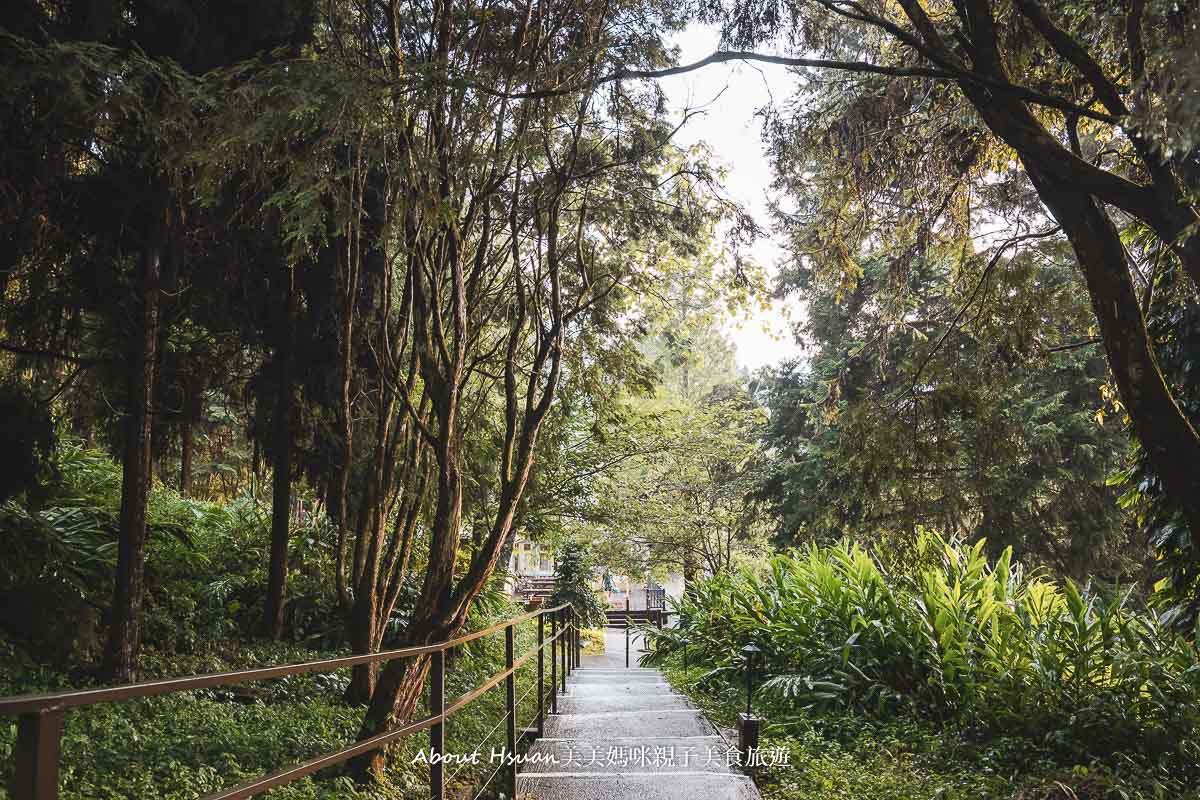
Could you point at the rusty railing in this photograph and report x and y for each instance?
(40, 716)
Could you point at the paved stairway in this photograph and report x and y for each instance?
(623, 734)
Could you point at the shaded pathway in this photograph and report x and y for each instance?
(624, 734)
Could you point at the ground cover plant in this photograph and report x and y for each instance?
(191, 744)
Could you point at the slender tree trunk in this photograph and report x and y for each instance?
(364, 616)
(281, 498)
(346, 420)
(691, 570)
(186, 444)
(120, 654)
(193, 406)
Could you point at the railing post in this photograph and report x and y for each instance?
(578, 651)
(563, 652)
(510, 703)
(627, 626)
(437, 733)
(554, 662)
(570, 615)
(541, 677)
(39, 734)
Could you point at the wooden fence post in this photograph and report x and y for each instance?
(541, 677)
(563, 651)
(554, 643)
(510, 703)
(437, 732)
(39, 735)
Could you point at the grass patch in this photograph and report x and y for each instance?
(593, 641)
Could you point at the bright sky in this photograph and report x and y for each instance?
(730, 94)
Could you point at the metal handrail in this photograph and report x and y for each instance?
(40, 716)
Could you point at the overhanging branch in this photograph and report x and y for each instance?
(723, 56)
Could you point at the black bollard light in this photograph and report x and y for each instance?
(750, 653)
(685, 643)
(748, 724)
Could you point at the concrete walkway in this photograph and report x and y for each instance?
(623, 734)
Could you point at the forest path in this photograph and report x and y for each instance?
(624, 734)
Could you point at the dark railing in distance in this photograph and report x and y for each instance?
(40, 716)
(656, 599)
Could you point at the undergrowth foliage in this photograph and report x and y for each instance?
(984, 647)
(204, 572)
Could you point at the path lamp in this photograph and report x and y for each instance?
(748, 724)
(684, 641)
(626, 631)
(750, 653)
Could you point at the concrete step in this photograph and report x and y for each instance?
(624, 734)
(617, 676)
(616, 689)
(634, 614)
(636, 755)
(620, 786)
(597, 703)
(615, 724)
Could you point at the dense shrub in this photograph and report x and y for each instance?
(977, 645)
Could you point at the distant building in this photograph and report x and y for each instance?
(641, 592)
(531, 560)
(531, 571)
(531, 576)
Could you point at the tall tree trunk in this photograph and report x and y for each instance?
(367, 616)
(1161, 426)
(1170, 440)
(364, 614)
(402, 681)
(120, 654)
(186, 444)
(281, 497)
(346, 422)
